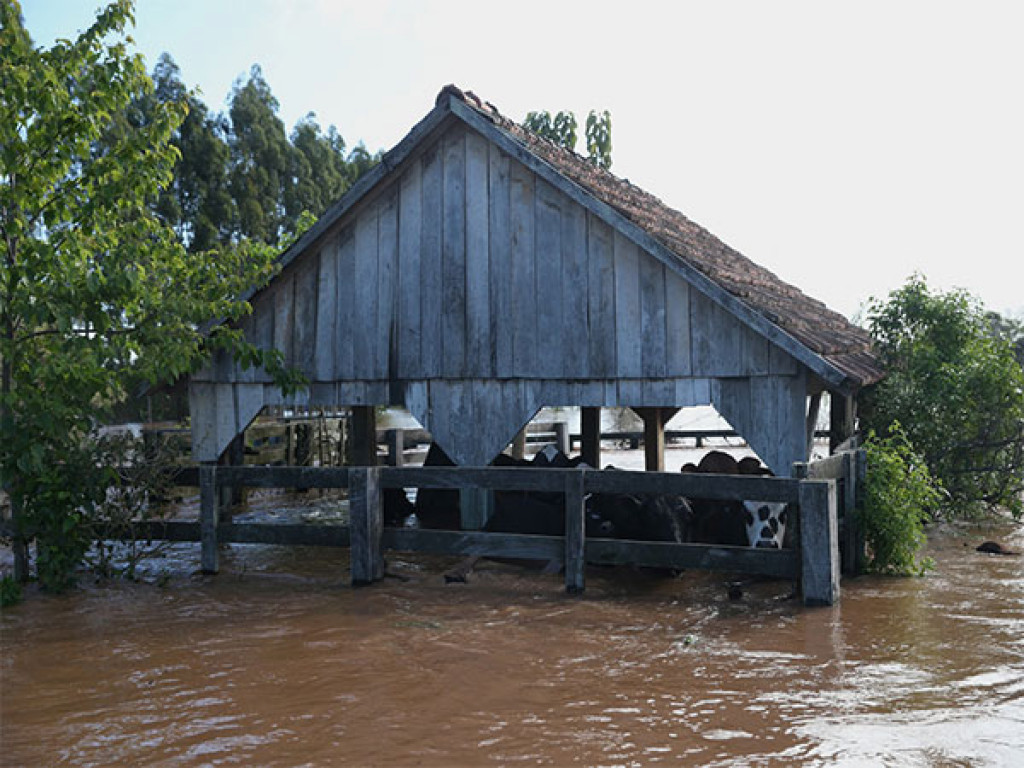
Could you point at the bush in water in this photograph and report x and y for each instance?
(900, 497)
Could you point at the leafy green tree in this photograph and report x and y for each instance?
(599, 138)
(200, 208)
(561, 129)
(360, 160)
(260, 155)
(318, 171)
(95, 290)
(1011, 329)
(957, 390)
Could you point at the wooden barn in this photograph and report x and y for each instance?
(480, 272)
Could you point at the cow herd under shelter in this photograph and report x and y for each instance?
(480, 272)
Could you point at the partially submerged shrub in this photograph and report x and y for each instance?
(10, 591)
(900, 497)
(958, 390)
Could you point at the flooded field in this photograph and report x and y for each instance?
(277, 661)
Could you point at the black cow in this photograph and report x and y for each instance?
(642, 517)
(513, 511)
(438, 508)
(537, 511)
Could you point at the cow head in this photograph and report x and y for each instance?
(766, 523)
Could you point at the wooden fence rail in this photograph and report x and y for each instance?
(813, 562)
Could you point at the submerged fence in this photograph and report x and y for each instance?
(813, 561)
(821, 493)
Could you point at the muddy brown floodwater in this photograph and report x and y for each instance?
(278, 662)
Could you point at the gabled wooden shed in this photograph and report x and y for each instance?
(480, 272)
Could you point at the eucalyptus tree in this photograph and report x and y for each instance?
(260, 157)
(318, 171)
(203, 205)
(561, 129)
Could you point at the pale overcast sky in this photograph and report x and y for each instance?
(841, 145)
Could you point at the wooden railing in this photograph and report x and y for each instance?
(813, 561)
(848, 469)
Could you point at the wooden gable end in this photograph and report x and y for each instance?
(468, 265)
(468, 287)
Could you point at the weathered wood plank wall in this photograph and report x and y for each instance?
(473, 292)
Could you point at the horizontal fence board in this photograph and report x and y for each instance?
(284, 477)
(496, 478)
(186, 477)
(289, 534)
(698, 486)
(831, 468)
(151, 530)
(781, 563)
(292, 534)
(525, 546)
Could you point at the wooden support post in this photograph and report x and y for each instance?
(590, 428)
(562, 437)
(819, 542)
(475, 507)
(364, 436)
(654, 439)
(209, 557)
(575, 533)
(519, 445)
(842, 419)
(396, 448)
(813, 408)
(366, 526)
(233, 456)
(344, 429)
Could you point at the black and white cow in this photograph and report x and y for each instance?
(754, 523)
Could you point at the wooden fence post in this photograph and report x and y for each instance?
(575, 532)
(209, 557)
(366, 525)
(819, 542)
(475, 507)
(859, 460)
